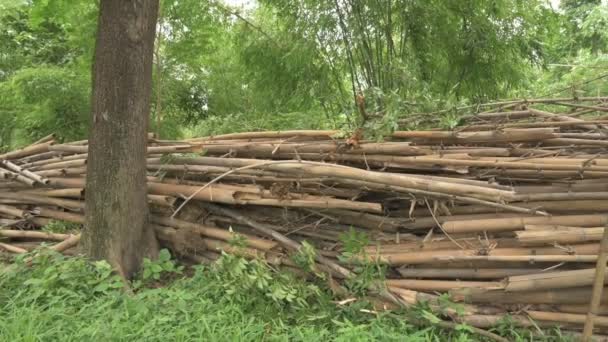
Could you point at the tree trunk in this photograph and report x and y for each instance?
(116, 207)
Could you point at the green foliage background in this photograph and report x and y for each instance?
(299, 64)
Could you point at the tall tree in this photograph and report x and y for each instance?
(116, 195)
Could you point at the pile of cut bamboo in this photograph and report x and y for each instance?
(504, 213)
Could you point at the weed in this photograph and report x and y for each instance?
(61, 227)
(55, 298)
(368, 273)
(155, 269)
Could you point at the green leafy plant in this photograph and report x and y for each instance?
(237, 240)
(353, 243)
(368, 274)
(305, 257)
(155, 269)
(51, 274)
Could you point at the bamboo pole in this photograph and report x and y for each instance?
(442, 285)
(190, 148)
(12, 249)
(66, 244)
(508, 135)
(519, 223)
(598, 286)
(54, 159)
(601, 321)
(465, 273)
(550, 235)
(499, 297)
(27, 151)
(26, 173)
(214, 232)
(269, 135)
(562, 118)
(32, 235)
(551, 280)
(339, 171)
(34, 199)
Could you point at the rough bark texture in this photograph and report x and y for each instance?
(116, 206)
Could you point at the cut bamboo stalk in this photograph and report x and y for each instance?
(440, 243)
(66, 244)
(45, 139)
(12, 249)
(67, 192)
(519, 223)
(32, 235)
(531, 125)
(535, 175)
(449, 161)
(26, 173)
(465, 273)
(54, 159)
(508, 135)
(339, 171)
(195, 148)
(5, 174)
(36, 157)
(585, 253)
(269, 135)
(550, 280)
(589, 258)
(563, 196)
(164, 201)
(578, 105)
(515, 114)
(449, 197)
(220, 246)
(34, 199)
(550, 235)
(272, 148)
(8, 223)
(442, 285)
(214, 233)
(74, 163)
(576, 308)
(216, 193)
(560, 296)
(13, 211)
(562, 118)
(59, 215)
(76, 171)
(27, 151)
(221, 193)
(574, 142)
(598, 287)
(601, 321)
(552, 207)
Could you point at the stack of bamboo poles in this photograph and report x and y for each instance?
(504, 213)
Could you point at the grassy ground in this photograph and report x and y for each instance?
(56, 299)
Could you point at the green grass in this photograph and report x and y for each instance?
(59, 299)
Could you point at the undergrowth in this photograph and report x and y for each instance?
(54, 298)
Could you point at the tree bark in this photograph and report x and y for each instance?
(116, 206)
